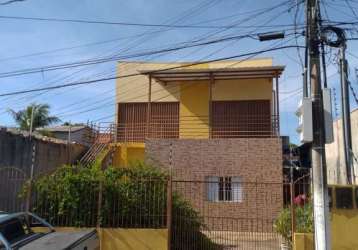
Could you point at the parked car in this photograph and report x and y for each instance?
(27, 231)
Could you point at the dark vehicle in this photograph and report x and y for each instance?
(25, 231)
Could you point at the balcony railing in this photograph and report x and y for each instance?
(196, 127)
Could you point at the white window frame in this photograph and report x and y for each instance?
(224, 189)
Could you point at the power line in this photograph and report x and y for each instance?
(131, 90)
(68, 48)
(116, 58)
(88, 62)
(11, 1)
(105, 105)
(232, 25)
(137, 24)
(143, 95)
(136, 74)
(184, 15)
(139, 35)
(199, 7)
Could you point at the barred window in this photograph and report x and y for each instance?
(224, 189)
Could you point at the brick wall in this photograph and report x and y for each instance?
(257, 161)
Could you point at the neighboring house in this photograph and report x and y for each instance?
(336, 170)
(73, 133)
(216, 125)
(21, 155)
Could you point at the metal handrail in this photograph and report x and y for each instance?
(166, 127)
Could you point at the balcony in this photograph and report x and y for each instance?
(190, 127)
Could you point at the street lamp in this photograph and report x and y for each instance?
(271, 36)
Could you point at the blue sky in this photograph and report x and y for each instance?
(20, 37)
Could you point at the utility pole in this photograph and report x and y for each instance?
(346, 116)
(69, 156)
(33, 159)
(319, 178)
(31, 121)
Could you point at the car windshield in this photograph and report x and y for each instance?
(19, 229)
(15, 229)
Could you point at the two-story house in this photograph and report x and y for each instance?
(214, 126)
(222, 102)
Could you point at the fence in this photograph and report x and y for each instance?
(12, 181)
(127, 203)
(223, 213)
(235, 215)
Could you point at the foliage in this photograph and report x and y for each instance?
(187, 226)
(41, 116)
(131, 197)
(283, 224)
(304, 221)
(304, 218)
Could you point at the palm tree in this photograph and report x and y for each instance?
(41, 117)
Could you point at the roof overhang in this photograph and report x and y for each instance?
(176, 75)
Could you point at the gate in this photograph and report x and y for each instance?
(227, 214)
(12, 181)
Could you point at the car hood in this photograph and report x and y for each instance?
(59, 240)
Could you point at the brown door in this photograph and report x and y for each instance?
(132, 121)
(233, 119)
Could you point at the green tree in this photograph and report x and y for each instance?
(41, 116)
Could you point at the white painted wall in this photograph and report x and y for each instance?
(336, 170)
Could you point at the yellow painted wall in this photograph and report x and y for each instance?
(134, 239)
(194, 101)
(119, 156)
(303, 241)
(344, 226)
(194, 110)
(126, 153)
(193, 96)
(135, 88)
(126, 239)
(344, 231)
(135, 154)
(246, 89)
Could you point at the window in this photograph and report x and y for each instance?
(344, 198)
(224, 189)
(15, 229)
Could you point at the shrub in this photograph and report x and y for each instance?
(131, 197)
(304, 221)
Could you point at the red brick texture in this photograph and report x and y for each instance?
(257, 161)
